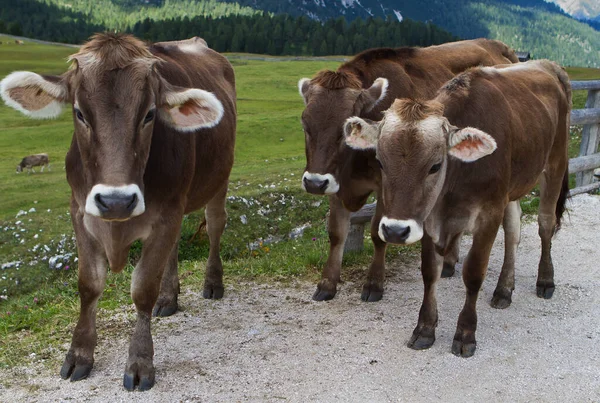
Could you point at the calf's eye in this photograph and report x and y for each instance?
(79, 115)
(149, 116)
(435, 168)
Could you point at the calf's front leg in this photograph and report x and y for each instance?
(474, 270)
(373, 289)
(338, 224)
(431, 266)
(145, 286)
(91, 280)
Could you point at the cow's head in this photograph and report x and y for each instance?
(331, 98)
(19, 168)
(118, 97)
(413, 143)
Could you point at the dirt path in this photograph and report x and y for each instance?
(268, 343)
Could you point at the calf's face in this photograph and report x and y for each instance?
(413, 144)
(115, 113)
(327, 108)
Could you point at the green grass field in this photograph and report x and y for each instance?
(39, 304)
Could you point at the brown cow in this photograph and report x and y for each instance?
(365, 86)
(35, 160)
(154, 140)
(455, 164)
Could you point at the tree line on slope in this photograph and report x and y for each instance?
(258, 33)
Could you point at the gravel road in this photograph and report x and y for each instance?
(273, 343)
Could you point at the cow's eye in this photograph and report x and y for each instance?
(79, 115)
(435, 168)
(149, 116)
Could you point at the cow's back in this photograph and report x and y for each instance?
(525, 107)
(418, 73)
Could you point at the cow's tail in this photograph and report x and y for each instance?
(562, 200)
(565, 82)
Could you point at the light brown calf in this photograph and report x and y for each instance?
(366, 86)
(154, 140)
(35, 160)
(459, 162)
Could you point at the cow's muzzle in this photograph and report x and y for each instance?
(400, 231)
(319, 184)
(115, 203)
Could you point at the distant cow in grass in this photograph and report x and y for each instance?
(459, 163)
(35, 160)
(19, 42)
(154, 140)
(365, 86)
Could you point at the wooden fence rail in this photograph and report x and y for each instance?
(583, 165)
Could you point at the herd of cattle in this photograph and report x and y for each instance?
(447, 143)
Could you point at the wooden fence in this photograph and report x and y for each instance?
(583, 166)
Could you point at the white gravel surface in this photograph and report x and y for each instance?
(273, 343)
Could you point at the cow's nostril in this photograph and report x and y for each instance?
(133, 202)
(100, 203)
(324, 185)
(404, 233)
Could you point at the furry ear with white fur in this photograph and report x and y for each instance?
(303, 85)
(359, 134)
(470, 144)
(33, 95)
(375, 94)
(188, 110)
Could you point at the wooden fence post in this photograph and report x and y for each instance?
(590, 138)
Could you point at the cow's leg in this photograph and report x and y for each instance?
(474, 270)
(42, 167)
(431, 266)
(551, 183)
(216, 218)
(451, 258)
(145, 287)
(373, 288)
(166, 305)
(91, 281)
(512, 235)
(338, 224)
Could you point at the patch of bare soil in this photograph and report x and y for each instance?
(273, 343)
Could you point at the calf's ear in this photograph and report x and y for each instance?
(33, 95)
(375, 94)
(188, 110)
(303, 85)
(359, 134)
(470, 144)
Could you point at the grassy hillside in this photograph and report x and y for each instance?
(38, 297)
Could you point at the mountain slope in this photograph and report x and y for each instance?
(581, 9)
(533, 25)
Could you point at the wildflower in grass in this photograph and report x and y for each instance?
(66, 267)
(314, 239)
(35, 300)
(25, 307)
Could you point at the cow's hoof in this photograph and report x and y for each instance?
(502, 298)
(464, 344)
(464, 350)
(448, 270)
(75, 368)
(422, 339)
(371, 292)
(213, 291)
(165, 306)
(325, 290)
(545, 289)
(140, 375)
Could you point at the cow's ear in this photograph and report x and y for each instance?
(187, 110)
(375, 94)
(303, 85)
(35, 96)
(469, 144)
(360, 135)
